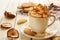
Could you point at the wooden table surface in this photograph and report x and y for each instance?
(11, 5)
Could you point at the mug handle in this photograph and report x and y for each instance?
(53, 20)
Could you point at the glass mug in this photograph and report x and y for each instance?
(39, 25)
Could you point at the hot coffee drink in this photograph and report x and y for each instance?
(38, 18)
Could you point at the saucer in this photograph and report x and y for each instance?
(51, 31)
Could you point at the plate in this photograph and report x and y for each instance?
(50, 30)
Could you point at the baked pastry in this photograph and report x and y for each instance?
(12, 33)
(21, 21)
(26, 8)
(6, 25)
(9, 15)
(26, 5)
(56, 38)
(29, 32)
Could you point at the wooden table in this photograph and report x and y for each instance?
(11, 5)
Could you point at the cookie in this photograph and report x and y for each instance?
(21, 21)
(26, 5)
(29, 32)
(28, 9)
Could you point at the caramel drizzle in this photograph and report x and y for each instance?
(40, 10)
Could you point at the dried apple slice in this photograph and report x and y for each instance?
(12, 33)
(9, 15)
(6, 25)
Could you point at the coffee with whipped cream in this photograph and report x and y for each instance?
(38, 18)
